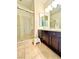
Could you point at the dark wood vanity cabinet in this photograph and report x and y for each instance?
(52, 39)
(54, 42)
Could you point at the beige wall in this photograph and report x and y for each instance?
(27, 4)
(34, 19)
(25, 23)
(39, 8)
(20, 25)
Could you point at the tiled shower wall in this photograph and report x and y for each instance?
(25, 25)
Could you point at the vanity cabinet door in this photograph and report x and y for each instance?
(59, 44)
(54, 43)
(44, 37)
(58, 35)
(39, 34)
(52, 39)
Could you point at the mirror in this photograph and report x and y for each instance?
(55, 18)
(43, 20)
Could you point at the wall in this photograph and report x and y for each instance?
(27, 4)
(25, 23)
(39, 8)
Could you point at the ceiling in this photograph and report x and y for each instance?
(30, 3)
(27, 3)
(47, 2)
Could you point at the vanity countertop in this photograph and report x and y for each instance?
(57, 30)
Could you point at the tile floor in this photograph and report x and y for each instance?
(26, 50)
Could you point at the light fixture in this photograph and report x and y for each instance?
(50, 7)
(46, 10)
(54, 4)
(20, 0)
(58, 1)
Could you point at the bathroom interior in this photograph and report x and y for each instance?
(38, 29)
